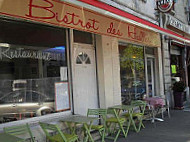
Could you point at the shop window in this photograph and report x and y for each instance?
(82, 37)
(31, 57)
(132, 72)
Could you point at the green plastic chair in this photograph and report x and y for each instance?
(141, 105)
(117, 122)
(101, 114)
(58, 135)
(20, 130)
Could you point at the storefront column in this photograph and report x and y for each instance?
(108, 71)
(160, 71)
(167, 71)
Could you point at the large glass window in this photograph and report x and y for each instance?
(31, 59)
(132, 72)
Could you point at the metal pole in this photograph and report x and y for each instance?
(186, 73)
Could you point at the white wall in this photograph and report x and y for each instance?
(180, 13)
(144, 10)
(108, 67)
(147, 8)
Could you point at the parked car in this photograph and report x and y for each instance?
(25, 102)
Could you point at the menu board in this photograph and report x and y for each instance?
(62, 100)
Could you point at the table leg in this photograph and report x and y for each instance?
(87, 129)
(132, 120)
(72, 129)
(155, 118)
(128, 124)
(117, 113)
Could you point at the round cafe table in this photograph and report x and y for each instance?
(155, 103)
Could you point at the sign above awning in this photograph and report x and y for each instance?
(119, 14)
(68, 15)
(165, 5)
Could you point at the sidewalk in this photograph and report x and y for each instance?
(175, 129)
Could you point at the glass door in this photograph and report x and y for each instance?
(150, 76)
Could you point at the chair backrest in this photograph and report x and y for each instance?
(141, 104)
(100, 113)
(113, 112)
(53, 128)
(19, 130)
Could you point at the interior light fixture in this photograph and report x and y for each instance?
(4, 45)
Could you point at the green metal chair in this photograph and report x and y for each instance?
(141, 105)
(117, 123)
(58, 135)
(19, 131)
(101, 114)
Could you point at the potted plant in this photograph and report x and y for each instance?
(178, 92)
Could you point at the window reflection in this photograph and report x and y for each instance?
(29, 68)
(27, 82)
(132, 72)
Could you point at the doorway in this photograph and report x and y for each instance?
(84, 78)
(150, 67)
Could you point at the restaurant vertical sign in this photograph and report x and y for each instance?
(64, 14)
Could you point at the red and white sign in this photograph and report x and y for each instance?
(165, 5)
(63, 14)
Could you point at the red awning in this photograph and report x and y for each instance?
(124, 14)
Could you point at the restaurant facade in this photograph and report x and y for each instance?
(176, 52)
(58, 59)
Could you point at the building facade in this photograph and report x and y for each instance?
(175, 55)
(174, 52)
(59, 58)
(149, 79)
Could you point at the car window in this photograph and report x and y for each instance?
(32, 96)
(28, 95)
(18, 97)
(7, 99)
(13, 97)
(35, 97)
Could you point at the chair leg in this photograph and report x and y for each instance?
(140, 124)
(103, 135)
(116, 137)
(143, 125)
(162, 113)
(108, 128)
(168, 112)
(122, 129)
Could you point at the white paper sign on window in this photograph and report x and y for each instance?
(63, 73)
(62, 101)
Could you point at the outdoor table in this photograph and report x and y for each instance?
(4, 137)
(122, 127)
(155, 102)
(130, 110)
(78, 119)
